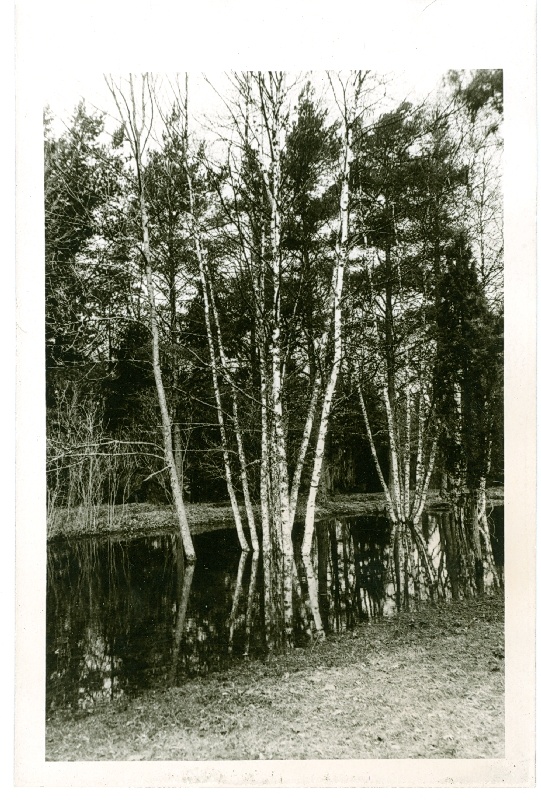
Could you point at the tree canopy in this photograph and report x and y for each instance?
(318, 290)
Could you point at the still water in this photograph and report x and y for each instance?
(127, 615)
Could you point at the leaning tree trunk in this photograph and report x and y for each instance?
(207, 304)
(388, 499)
(303, 448)
(185, 584)
(236, 424)
(322, 434)
(219, 410)
(134, 126)
(166, 421)
(337, 286)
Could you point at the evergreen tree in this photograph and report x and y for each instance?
(467, 367)
(81, 179)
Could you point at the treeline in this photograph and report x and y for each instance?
(307, 300)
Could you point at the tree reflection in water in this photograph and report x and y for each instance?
(127, 615)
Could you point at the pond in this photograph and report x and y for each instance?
(127, 615)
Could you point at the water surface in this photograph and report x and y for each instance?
(127, 615)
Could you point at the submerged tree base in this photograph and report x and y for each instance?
(424, 685)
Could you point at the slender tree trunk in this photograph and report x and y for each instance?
(485, 532)
(258, 282)
(221, 422)
(422, 495)
(287, 582)
(264, 478)
(319, 454)
(419, 456)
(277, 410)
(303, 448)
(388, 499)
(236, 597)
(397, 558)
(236, 425)
(482, 507)
(177, 450)
(313, 597)
(476, 540)
(390, 367)
(251, 601)
(393, 451)
(166, 421)
(271, 98)
(134, 128)
(407, 445)
(337, 286)
(268, 599)
(184, 596)
(207, 293)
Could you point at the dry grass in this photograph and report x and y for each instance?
(420, 686)
(138, 517)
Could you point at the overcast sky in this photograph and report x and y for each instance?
(63, 93)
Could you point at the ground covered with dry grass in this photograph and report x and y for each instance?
(424, 685)
(136, 517)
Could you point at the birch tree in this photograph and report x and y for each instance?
(135, 106)
(257, 208)
(347, 91)
(177, 122)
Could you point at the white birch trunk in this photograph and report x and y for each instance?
(296, 481)
(288, 566)
(272, 181)
(217, 395)
(133, 127)
(236, 597)
(264, 466)
(485, 533)
(395, 481)
(388, 499)
(419, 456)
(203, 272)
(264, 478)
(313, 597)
(407, 446)
(416, 516)
(236, 425)
(250, 601)
(483, 521)
(277, 415)
(337, 286)
(318, 461)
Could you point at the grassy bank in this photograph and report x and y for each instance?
(425, 685)
(205, 516)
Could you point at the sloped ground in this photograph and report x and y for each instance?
(424, 685)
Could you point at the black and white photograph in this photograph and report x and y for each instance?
(274, 523)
